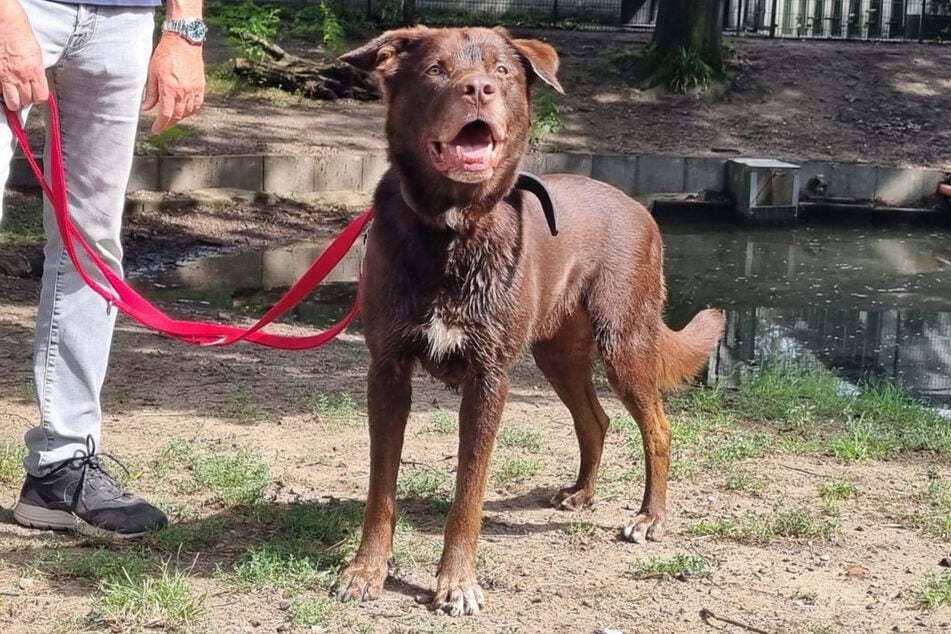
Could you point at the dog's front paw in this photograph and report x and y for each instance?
(572, 499)
(645, 527)
(456, 597)
(361, 582)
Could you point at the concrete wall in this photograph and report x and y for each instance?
(643, 175)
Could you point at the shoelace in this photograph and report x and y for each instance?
(90, 460)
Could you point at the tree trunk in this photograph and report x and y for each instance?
(315, 80)
(692, 24)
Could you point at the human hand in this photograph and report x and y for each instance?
(176, 82)
(22, 77)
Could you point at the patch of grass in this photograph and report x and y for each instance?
(99, 564)
(514, 469)
(741, 480)
(796, 398)
(424, 482)
(904, 420)
(934, 511)
(190, 536)
(937, 590)
(313, 612)
(517, 438)
(131, 602)
(237, 479)
(330, 523)
(681, 567)
(546, 118)
(712, 528)
(580, 531)
(295, 563)
(833, 491)
(22, 225)
(11, 461)
(806, 597)
(443, 423)
(761, 529)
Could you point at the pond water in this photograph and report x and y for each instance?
(871, 303)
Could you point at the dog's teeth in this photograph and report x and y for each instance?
(459, 151)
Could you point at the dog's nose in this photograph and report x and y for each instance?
(477, 90)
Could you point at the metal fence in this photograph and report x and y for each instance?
(826, 19)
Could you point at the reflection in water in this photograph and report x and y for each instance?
(867, 303)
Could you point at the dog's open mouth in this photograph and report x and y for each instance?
(474, 152)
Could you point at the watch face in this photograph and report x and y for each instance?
(195, 31)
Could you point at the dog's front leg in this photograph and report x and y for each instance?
(389, 393)
(457, 590)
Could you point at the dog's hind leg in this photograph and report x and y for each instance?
(389, 394)
(483, 398)
(632, 366)
(565, 360)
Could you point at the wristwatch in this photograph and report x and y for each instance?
(192, 29)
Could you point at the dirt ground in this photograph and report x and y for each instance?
(302, 415)
(848, 101)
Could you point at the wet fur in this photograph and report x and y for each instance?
(461, 276)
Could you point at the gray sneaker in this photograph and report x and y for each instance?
(81, 495)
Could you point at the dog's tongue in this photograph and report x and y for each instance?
(473, 144)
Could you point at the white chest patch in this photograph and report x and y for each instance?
(443, 339)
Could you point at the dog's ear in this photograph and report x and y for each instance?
(542, 58)
(380, 54)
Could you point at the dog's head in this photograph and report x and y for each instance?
(458, 104)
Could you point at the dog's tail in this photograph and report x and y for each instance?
(683, 353)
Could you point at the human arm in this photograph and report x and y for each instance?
(22, 77)
(176, 83)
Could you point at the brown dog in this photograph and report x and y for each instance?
(461, 273)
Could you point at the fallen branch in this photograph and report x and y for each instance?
(707, 615)
(312, 79)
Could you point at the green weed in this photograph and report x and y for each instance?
(712, 528)
(443, 423)
(132, 601)
(337, 405)
(764, 528)
(681, 567)
(517, 438)
(687, 69)
(287, 563)
(546, 119)
(515, 469)
(937, 590)
(99, 564)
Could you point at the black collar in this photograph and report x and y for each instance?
(533, 184)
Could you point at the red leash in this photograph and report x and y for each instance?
(139, 309)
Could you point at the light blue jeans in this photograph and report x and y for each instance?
(97, 62)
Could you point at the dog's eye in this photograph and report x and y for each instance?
(502, 70)
(434, 70)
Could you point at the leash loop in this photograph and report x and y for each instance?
(130, 302)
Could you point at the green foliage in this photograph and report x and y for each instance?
(937, 590)
(546, 119)
(517, 438)
(333, 31)
(712, 528)
(681, 567)
(515, 469)
(687, 70)
(762, 529)
(11, 461)
(129, 601)
(243, 19)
